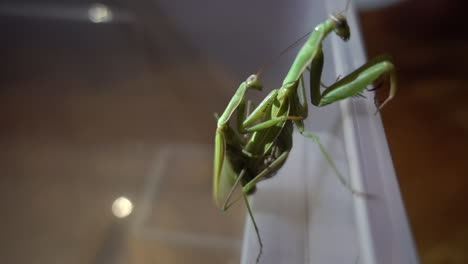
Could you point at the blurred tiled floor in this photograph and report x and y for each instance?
(84, 110)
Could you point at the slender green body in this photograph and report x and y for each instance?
(309, 51)
(262, 140)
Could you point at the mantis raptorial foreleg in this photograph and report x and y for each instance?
(352, 84)
(266, 104)
(260, 110)
(301, 107)
(224, 136)
(239, 98)
(272, 122)
(242, 116)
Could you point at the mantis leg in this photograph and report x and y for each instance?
(249, 210)
(225, 135)
(341, 178)
(352, 84)
(227, 203)
(251, 184)
(276, 163)
(249, 108)
(239, 97)
(301, 107)
(261, 109)
(271, 122)
(299, 112)
(242, 113)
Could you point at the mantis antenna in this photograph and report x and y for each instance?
(265, 66)
(346, 8)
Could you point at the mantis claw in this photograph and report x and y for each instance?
(376, 87)
(390, 97)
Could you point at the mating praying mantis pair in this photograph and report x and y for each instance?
(259, 144)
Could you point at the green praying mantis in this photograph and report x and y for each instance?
(259, 144)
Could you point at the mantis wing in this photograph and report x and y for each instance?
(220, 182)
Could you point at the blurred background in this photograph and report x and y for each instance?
(427, 128)
(92, 96)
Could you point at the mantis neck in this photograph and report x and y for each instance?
(308, 51)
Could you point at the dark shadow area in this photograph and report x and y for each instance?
(427, 124)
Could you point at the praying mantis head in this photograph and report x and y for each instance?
(253, 82)
(341, 26)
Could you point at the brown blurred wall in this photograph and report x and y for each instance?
(427, 124)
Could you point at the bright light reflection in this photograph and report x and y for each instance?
(99, 13)
(122, 207)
